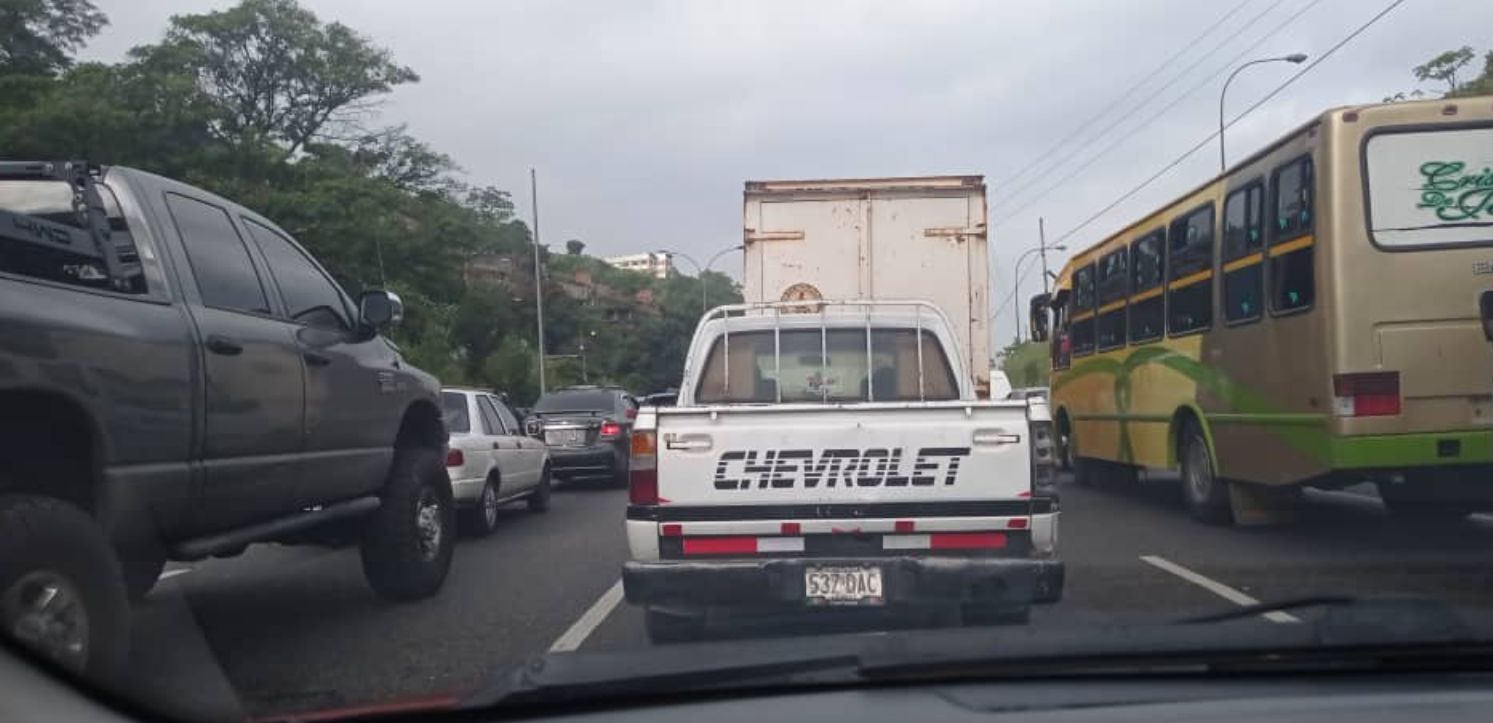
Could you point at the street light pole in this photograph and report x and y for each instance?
(698, 270)
(1294, 58)
(538, 274)
(710, 263)
(1042, 244)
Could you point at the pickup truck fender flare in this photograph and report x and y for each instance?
(72, 408)
(421, 425)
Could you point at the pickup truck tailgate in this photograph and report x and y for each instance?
(854, 454)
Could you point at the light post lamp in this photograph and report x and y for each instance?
(1294, 58)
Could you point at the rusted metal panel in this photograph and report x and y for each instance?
(881, 238)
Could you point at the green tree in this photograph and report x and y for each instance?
(575, 247)
(39, 37)
(1445, 67)
(276, 74)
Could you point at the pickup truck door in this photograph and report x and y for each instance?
(252, 375)
(350, 409)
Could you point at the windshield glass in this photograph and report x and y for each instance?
(547, 354)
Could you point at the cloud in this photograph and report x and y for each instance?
(644, 118)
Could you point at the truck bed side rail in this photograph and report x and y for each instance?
(824, 309)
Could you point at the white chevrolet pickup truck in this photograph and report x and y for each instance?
(833, 453)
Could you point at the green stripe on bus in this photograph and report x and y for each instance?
(1306, 432)
(1411, 450)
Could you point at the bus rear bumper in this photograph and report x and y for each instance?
(1389, 452)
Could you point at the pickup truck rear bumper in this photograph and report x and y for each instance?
(906, 580)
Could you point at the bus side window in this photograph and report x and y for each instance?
(1189, 262)
(1114, 286)
(1292, 276)
(1147, 307)
(1243, 262)
(1083, 311)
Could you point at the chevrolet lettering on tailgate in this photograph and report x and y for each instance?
(789, 468)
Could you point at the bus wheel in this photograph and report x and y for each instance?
(1206, 495)
(1427, 495)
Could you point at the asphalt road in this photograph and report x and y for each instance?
(281, 630)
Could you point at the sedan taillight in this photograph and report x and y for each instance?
(611, 429)
(454, 458)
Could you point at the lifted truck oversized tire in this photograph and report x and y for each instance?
(62, 592)
(665, 627)
(409, 541)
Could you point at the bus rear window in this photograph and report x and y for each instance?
(1430, 188)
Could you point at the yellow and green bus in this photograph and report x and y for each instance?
(1308, 318)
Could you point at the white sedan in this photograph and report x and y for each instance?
(490, 460)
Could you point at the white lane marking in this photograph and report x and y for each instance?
(174, 573)
(1216, 587)
(587, 624)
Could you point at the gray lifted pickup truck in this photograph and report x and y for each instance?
(180, 379)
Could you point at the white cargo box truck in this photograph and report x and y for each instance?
(876, 239)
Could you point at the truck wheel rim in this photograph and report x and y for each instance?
(428, 524)
(489, 505)
(44, 611)
(1199, 473)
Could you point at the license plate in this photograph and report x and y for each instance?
(569, 437)
(843, 586)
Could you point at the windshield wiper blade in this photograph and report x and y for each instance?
(1271, 606)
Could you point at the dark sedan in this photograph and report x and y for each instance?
(588, 431)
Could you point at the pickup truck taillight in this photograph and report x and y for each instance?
(1370, 394)
(1044, 460)
(642, 476)
(454, 458)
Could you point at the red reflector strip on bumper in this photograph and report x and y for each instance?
(741, 545)
(967, 540)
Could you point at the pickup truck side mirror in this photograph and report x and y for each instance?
(1038, 317)
(378, 308)
(1485, 303)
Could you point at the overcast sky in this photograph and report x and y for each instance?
(644, 118)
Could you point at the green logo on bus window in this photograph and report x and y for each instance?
(1455, 193)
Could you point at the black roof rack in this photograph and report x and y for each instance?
(93, 240)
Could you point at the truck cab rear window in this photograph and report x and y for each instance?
(831, 368)
(52, 201)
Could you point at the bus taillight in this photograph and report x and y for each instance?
(1370, 394)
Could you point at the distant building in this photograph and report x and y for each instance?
(653, 264)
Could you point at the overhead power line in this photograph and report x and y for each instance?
(1116, 143)
(1119, 99)
(1214, 135)
(1073, 150)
